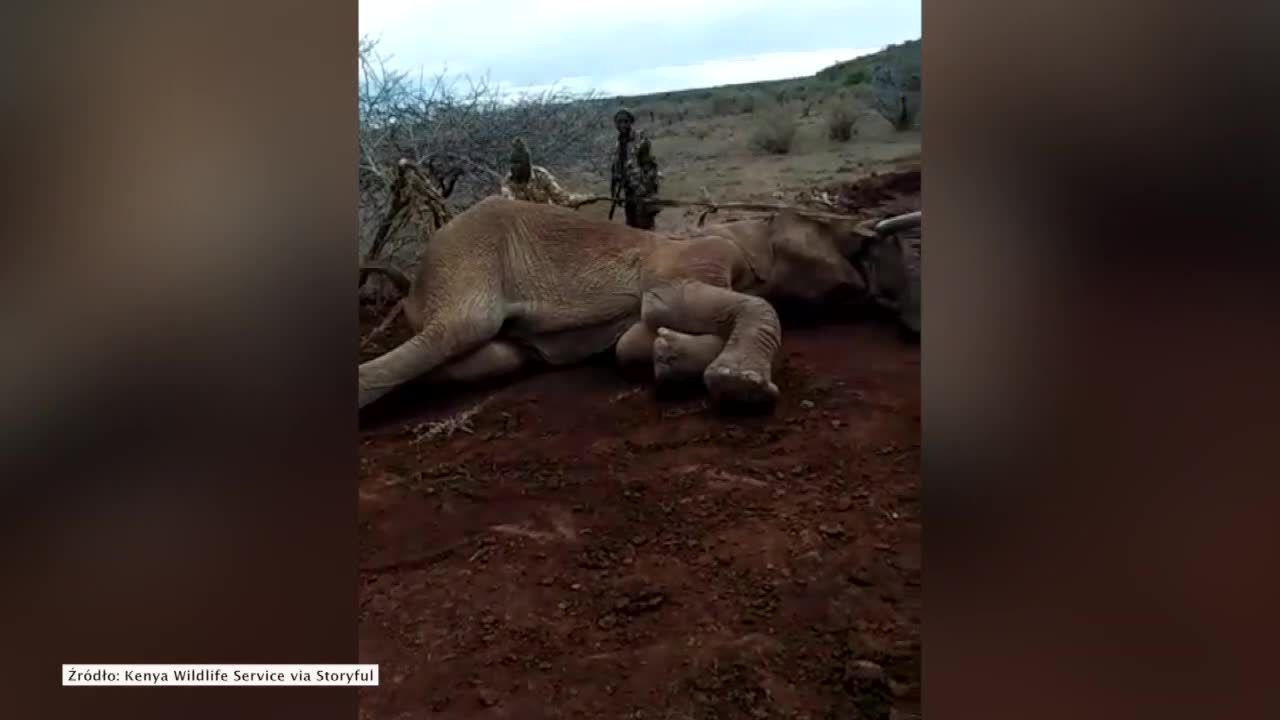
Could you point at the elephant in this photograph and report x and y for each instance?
(508, 283)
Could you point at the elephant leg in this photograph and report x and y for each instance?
(635, 347)
(493, 359)
(742, 372)
(452, 330)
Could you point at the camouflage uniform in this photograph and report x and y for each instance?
(634, 174)
(532, 183)
(541, 188)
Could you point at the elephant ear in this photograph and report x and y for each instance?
(752, 240)
(759, 257)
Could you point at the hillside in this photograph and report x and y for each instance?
(904, 56)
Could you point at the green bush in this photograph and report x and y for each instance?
(724, 104)
(856, 77)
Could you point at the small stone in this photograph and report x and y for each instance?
(860, 578)
(576, 586)
(607, 622)
(641, 602)
(866, 670)
(807, 404)
(831, 530)
(898, 689)
(487, 697)
(843, 504)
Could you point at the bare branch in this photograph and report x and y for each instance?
(446, 123)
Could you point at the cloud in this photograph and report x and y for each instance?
(765, 66)
(626, 48)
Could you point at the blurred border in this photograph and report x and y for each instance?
(1099, 352)
(178, 458)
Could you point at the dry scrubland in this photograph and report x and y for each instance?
(756, 141)
(762, 141)
(719, 152)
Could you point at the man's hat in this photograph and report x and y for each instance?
(519, 151)
(623, 112)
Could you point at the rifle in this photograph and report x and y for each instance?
(711, 207)
(613, 195)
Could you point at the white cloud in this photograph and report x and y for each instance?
(765, 66)
(660, 45)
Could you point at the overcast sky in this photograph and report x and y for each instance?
(625, 49)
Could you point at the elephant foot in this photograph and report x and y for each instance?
(680, 358)
(748, 389)
(665, 361)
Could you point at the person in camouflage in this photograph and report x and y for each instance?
(649, 175)
(533, 183)
(634, 173)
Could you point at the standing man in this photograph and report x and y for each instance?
(634, 173)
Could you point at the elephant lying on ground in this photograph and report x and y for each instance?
(509, 282)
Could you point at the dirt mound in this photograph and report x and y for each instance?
(566, 544)
(886, 193)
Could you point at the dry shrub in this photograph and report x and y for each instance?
(841, 119)
(753, 101)
(774, 131)
(456, 124)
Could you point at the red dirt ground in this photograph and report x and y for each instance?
(584, 549)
